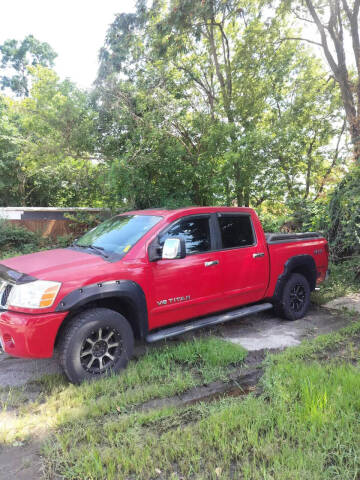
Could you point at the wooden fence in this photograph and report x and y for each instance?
(47, 221)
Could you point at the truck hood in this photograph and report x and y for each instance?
(61, 265)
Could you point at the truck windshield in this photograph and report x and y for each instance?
(118, 234)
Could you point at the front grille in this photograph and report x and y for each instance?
(5, 289)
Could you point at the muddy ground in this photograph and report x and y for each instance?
(259, 334)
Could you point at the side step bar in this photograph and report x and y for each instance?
(206, 322)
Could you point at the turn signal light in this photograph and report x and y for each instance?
(48, 297)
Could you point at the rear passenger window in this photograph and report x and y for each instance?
(236, 231)
(196, 234)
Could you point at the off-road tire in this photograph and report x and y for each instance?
(88, 332)
(295, 298)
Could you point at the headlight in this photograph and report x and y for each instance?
(38, 294)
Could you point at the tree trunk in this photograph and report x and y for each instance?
(333, 30)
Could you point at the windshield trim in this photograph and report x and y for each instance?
(109, 256)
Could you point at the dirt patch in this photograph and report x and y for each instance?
(240, 381)
(345, 351)
(238, 384)
(350, 302)
(15, 372)
(21, 463)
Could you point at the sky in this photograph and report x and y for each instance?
(75, 29)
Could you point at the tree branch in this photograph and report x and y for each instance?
(302, 40)
(324, 43)
(333, 163)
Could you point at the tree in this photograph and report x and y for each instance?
(10, 142)
(337, 22)
(219, 85)
(338, 26)
(17, 56)
(52, 146)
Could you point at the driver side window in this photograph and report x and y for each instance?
(195, 232)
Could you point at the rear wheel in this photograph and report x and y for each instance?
(95, 343)
(295, 299)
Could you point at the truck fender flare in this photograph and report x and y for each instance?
(125, 290)
(304, 264)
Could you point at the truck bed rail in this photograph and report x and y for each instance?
(291, 237)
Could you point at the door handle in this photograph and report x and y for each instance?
(257, 255)
(211, 263)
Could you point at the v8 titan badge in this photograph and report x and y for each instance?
(173, 300)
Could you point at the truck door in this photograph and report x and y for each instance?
(243, 258)
(187, 287)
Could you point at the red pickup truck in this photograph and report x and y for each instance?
(152, 274)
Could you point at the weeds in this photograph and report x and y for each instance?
(344, 279)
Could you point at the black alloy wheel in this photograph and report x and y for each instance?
(96, 342)
(295, 298)
(100, 350)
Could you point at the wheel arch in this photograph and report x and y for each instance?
(123, 296)
(303, 264)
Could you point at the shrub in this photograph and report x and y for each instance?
(81, 222)
(17, 239)
(272, 222)
(344, 208)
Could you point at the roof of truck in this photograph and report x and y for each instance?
(189, 210)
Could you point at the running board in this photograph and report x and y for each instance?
(206, 322)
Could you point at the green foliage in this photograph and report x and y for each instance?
(344, 230)
(196, 103)
(81, 222)
(187, 119)
(344, 279)
(47, 143)
(17, 56)
(9, 149)
(14, 239)
(64, 241)
(272, 222)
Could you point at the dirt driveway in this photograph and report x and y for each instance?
(258, 332)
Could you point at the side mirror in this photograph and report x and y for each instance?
(155, 250)
(174, 248)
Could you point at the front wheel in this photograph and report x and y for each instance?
(295, 299)
(95, 343)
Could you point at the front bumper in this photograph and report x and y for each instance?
(28, 335)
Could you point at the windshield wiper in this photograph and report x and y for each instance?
(92, 247)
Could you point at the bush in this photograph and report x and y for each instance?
(81, 222)
(14, 238)
(271, 222)
(344, 228)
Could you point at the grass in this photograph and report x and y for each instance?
(161, 372)
(305, 425)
